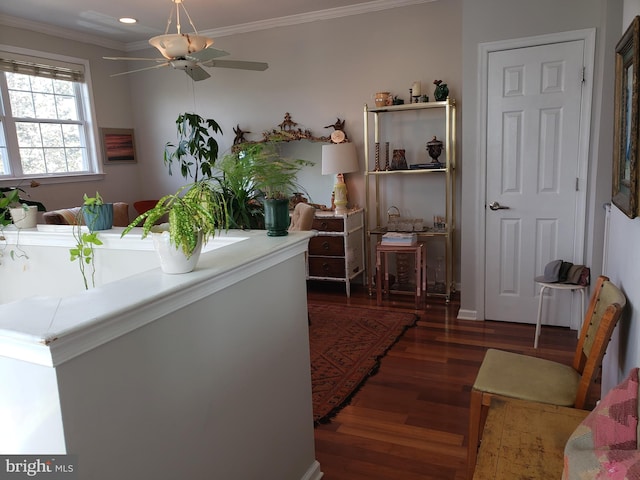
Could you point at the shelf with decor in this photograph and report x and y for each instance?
(386, 182)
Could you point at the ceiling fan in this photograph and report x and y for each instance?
(188, 51)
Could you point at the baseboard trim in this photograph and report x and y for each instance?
(314, 472)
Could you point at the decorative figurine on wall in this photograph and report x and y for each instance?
(239, 138)
(338, 135)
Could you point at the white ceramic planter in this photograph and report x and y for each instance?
(172, 259)
(25, 217)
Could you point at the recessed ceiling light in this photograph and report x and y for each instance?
(127, 20)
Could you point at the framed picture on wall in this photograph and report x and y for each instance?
(118, 145)
(625, 145)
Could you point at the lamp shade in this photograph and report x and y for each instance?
(339, 158)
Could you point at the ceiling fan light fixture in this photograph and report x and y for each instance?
(176, 45)
(183, 64)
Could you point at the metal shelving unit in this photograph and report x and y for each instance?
(375, 178)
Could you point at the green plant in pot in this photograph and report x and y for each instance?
(14, 207)
(96, 216)
(235, 181)
(7, 199)
(275, 177)
(13, 200)
(195, 212)
(196, 151)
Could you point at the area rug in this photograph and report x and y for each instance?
(346, 345)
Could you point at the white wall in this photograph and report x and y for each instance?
(623, 267)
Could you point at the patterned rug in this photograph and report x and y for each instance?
(346, 345)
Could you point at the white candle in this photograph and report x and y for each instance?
(415, 89)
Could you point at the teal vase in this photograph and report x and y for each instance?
(98, 217)
(276, 217)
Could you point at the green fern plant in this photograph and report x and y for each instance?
(272, 174)
(195, 209)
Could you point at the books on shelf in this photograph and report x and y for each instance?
(399, 238)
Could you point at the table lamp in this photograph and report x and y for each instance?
(337, 159)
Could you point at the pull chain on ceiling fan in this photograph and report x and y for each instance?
(184, 51)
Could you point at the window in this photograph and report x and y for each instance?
(46, 126)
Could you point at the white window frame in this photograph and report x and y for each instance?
(87, 114)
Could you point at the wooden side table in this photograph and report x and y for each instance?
(557, 286)
(525, 440)
(382, 268)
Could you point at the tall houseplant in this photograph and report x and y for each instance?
(196, 151)
(234, 179)
(276, 178)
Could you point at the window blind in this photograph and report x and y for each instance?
(41, 67)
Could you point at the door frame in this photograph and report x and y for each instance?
(484, 49)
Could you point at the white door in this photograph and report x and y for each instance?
(533, 126)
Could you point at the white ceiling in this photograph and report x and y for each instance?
(96, 21)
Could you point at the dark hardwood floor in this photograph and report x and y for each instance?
(409, 421)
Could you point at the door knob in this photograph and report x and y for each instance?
(497, 206)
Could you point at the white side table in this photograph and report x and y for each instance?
(558, 286)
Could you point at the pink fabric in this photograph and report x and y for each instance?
(605, 444)
(614, 421)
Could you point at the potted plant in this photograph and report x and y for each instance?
(83, 253)
(195, 212)
(275, 177)
(234, 179)
(14, 206)
(98, 215)
(197, 150)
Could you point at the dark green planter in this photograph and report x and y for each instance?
(98, 217)
(276, 217)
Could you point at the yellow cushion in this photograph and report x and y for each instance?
(527, 378)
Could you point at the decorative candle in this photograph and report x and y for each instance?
(415, 89)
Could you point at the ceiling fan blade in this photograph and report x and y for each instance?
(241, 65)
(197, 73)
(136, 59)
(207, 54)
(141, 69)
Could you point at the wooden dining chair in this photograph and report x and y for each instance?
(507, 374)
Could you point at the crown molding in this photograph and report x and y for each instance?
(327, 14)
(61, 32)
